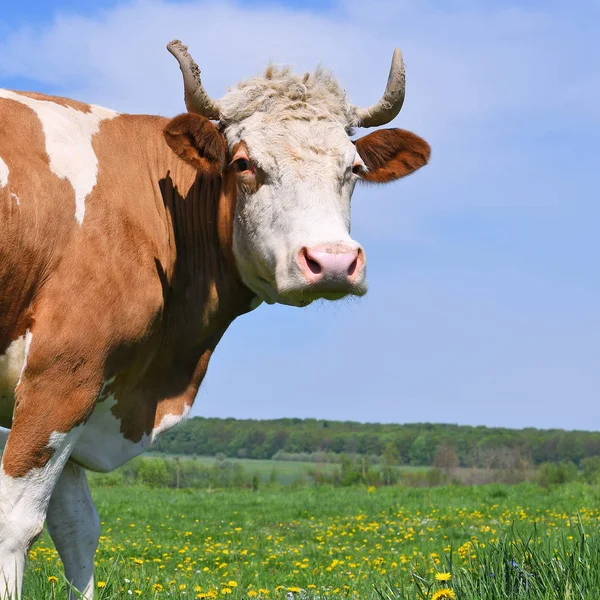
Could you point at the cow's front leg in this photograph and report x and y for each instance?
(74, 526)
(29, 472)
(54, 397)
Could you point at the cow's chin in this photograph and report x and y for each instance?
(301, 296)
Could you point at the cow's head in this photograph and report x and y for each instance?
(286, 139)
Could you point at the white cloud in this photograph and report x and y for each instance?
(471, 74)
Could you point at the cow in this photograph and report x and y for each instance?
(131, 242)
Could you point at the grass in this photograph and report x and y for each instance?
(283, 472)
(496, 542)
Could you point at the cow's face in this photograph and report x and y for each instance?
(286, 141)
(291, 235)
(291, 232)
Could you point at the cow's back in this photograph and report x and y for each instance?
(47, 167)
(82, 227)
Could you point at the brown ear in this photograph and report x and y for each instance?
(197, 141)
(392, 153)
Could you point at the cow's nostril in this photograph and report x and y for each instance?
(352, 267)
(312, 264)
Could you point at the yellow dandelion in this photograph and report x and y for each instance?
(226, 591)
(444, 594)
(53, 579)
(232, 584)
(443, 576)
(252, 594)
(157, 587)
(101, 584)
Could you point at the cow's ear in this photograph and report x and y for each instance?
(197, 141)
(391, 153)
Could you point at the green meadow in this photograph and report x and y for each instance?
(471, 543)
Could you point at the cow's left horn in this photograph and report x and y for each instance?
(390, 103)
(196, 98)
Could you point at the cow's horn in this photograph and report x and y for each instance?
(391, 102)
(196, 98)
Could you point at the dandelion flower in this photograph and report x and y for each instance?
(443, 576)
(53, 579)
(444, 594)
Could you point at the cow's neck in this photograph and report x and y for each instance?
(205, 292)
(202, 295)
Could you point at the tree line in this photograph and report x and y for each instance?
(418, 444)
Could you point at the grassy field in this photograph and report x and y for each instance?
(489, 542)
(283, 472)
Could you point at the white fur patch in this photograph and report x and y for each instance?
(13, 363)
(102, 447)
(169, 421)
(69, 134)
(16, 199)
(306, 201)
(3, 173)
(74, 526)
(23, 502)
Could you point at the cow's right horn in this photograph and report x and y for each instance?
(391, 102)
(196, 98)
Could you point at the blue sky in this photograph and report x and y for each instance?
(484, 301)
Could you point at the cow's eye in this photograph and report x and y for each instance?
(357, 169)
(241, 165)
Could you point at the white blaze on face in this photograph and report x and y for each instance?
(68, 135)
(304, 200)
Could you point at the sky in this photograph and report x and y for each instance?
(484, 299)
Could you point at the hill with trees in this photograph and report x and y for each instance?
(418, 444)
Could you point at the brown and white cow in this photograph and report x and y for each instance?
(130, 243)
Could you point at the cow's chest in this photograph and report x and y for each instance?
(112, 436)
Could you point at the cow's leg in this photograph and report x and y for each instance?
(53, 399)
(27, 478)
(74, 526)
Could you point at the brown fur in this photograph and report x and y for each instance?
(197, 141)
(74, 104)
(391, 154)
(142, 292)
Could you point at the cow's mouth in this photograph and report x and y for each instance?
(299, 294)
